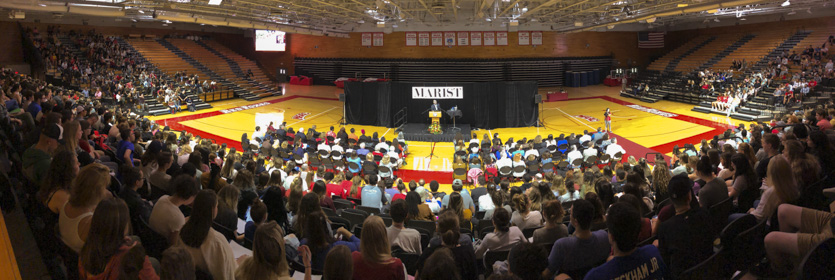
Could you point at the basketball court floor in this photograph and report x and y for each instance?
(641, 128)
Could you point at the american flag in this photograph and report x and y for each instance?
(650, 40)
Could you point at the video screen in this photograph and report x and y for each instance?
(270, 40)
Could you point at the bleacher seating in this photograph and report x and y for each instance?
(239, 63)
(219, 66)
(706, 52)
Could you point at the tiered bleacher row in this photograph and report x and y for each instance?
(547, 72)
(685, 74)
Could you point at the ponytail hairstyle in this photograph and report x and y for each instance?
(521, 202)
(501, 219)
(448, 228)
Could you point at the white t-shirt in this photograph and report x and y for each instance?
(166, 217)
(408, 239)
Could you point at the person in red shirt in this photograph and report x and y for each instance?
(346, 183)
(823, 122)
(403, 191)
(333, 188)
(715, 104)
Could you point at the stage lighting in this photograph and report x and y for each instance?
(215, 2)
(786, 4)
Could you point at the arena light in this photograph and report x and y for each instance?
(652, 19)
(215, 2)
(785, 4)
(578, 23)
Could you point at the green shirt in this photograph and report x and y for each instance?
(36, 163)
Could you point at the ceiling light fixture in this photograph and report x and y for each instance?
(652, 19)
(578, 23)
(215, 2)
(785, 4)
(682, 5)
(716, 19)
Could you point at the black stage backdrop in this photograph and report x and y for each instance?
(485, 105)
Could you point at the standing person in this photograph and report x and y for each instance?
(608, 117)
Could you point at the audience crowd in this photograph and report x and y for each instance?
(112, 195)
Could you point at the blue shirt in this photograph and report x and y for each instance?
(372, 196)
(644, 263)
(125, 145)
(572, 253)
(249, 231)
(34, 109)
(317, 261)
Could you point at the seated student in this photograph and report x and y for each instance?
(571, 193)
(624, 224)
(318, 238)
(159, 178)
(374, 260)
(373, 196)
(208, 248)
(176, 264)
(582, 250)
(226, 212)
(683, 240)
(503, 237)
(440, 265)
(458, 187)
(800, 230)
(525, 261)
(106, 256)
(449, 237)
(325, 201)
(258, 213)
(523, 217)
(75, 216)
(166, 217)
(554, 229)
(406, 238)
(268, 259)
(134, 179)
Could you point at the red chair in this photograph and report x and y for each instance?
(306, 81)
(294, 80)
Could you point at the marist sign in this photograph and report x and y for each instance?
(437, 92)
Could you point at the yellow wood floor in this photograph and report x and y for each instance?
(8, 262)
(319, 107)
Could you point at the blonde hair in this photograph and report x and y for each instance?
(185, 149)
(268, 259)
(660, 177)
(374, 243)
(70, 134)
(781, 178)
(90, 186)
(228, 197)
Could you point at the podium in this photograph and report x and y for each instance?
(435, 127)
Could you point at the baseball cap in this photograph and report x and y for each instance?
(53, 131)
(679, 186)
(457, 182)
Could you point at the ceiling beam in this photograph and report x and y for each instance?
(429, 10)
(565, 8)
(455, 9)
(543, 5)
(509, 7)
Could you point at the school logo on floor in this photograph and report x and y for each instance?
(587, 118)
(301, 116)
(652, 111)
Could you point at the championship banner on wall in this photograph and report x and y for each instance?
(524, 38)
(449, 38)
(501, 38)
(378, 39)
(437, 92)
(536, 38)
(411, 39)
(437, 39)
(423, 39)
(463, 38)
(475, 38)
(366, 39)
(489, 38)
